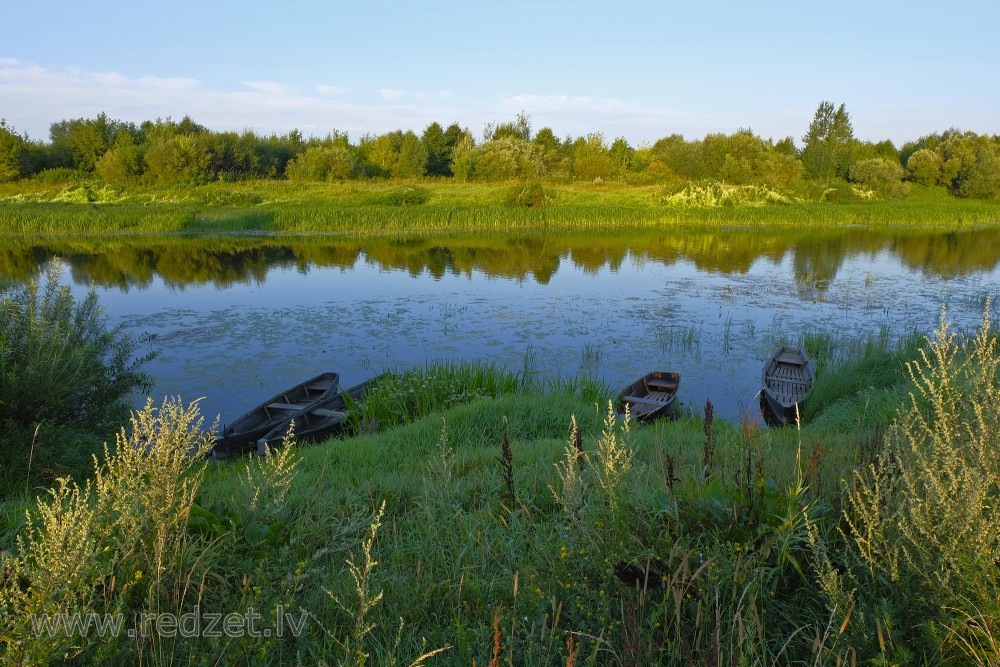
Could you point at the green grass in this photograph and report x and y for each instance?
(433, 206)
(722, 550)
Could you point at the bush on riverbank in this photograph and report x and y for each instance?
(66, 379)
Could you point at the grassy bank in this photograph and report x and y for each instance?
(503, 524)
(438, 206)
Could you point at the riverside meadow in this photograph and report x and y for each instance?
(481, 513)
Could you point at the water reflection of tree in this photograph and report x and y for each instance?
(816, 255)
(815, 263)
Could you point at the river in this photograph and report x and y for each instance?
(237, 318)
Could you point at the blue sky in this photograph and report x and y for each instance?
(641, 70)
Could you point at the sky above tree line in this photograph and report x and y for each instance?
(639, 70)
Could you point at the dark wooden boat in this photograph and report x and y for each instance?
(242, 435)
(318, 422)
(649, 397)
(787, 377)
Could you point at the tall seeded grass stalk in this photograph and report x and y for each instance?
(353, 647)
(506, 460)
(439, 473)
(367, 599)
(924, 514)
(271, 476)
(117, 543)
(570, 492)
(613, 458)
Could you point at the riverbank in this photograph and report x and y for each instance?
(442, 206)
(484, 527)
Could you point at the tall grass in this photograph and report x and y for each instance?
(420, 391)
(373, 209)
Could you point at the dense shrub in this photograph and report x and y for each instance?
(924, 167)
(923, 515)
(528, 193)
(61, 365)
(60, 175)
(322, 163)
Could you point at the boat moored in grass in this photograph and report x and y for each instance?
(650, 397)
(788, 376)
(325, 419)
(242, 435)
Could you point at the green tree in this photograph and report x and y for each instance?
(505, 159)
(971, 164)
(520, 128)
(453, 134)
(412, 162)
(322, 163)
(924, 167)
(438, 151)
(548, 146)
(122, 164)
(621, 157)
(591, 158)
(59, 360)
(786, 146)
(738, 158)
(463, 157)
(382, 152)
(678, 156)
(177, 159)
(80, 143)
(826, 153)
(881, 175)
(11, 147)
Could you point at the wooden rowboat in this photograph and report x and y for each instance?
(242, 435)
(316, 423)
(649, 397)
(787, 377)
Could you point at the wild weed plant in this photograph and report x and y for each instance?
(922, 517)
(115, 543)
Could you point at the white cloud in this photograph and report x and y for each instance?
(548, 102)
(390, 94)
(33, 97)
(331, 91)
(267, 87)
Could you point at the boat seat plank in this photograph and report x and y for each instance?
(322, 385)
(782, 381)
(323, 412)
(644, 399)
(287, 406)
(661, 384)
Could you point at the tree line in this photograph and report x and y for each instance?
(168, 152)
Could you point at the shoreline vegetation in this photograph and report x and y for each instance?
(100, 175)
(526, 525)
(383, 209)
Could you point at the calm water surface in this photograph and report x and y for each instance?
(238, 318)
